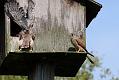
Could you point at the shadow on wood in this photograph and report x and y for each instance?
(66, 64)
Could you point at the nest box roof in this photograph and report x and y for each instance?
(92, 9)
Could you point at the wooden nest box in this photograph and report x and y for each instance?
(53, 23)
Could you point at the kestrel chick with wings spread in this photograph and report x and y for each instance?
(24, 19)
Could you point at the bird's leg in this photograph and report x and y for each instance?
(31, 49)
(80, 49)
(31, 43)
(20, 48)
(20, 45)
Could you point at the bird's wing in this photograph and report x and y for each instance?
(30, 14)
(16, 13)
(30, 8)
(80, 42)
(74, 42)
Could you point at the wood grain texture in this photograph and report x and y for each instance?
(55, 20)
(42, 72)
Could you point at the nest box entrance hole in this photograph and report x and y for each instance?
(14, 29)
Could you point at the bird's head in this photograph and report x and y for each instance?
(80, 34)
(26, 31)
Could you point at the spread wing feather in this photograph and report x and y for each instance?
(31, 6)
(17, 13)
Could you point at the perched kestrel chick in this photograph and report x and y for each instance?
(78, 43)
(26, 40)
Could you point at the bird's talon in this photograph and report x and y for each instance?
(30, 50)
(20, 49)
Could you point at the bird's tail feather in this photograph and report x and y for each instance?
(90, 60)
(88, 52)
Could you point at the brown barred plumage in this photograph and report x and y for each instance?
(79, 45)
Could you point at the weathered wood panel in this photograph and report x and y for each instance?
(7, 33)
(55, 20)
(2, 33)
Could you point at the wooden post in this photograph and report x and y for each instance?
(42, 71)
